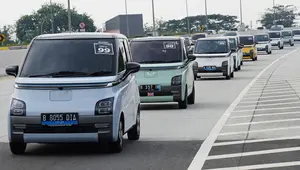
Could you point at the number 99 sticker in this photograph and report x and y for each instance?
(103, 48)
(169, 45)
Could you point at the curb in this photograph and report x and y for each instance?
(14, 47)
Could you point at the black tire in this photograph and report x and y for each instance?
(256, 58)
(232, 74)
(235, 66)
(117, 146)
(17, 148)
(239, 68)
(292, 45)
(183, 104)
(270, 52)
(242, 63)
(253, 59)
(195, 76)
(134, 132)
(279, 46)
(191, 98)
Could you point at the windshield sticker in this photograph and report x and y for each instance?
(169, 45)
(104, 48)
(221, 42)
(250, 38)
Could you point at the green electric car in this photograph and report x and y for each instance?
(167, 71)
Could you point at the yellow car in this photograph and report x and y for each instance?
(249, 47)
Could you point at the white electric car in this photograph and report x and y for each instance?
(276, 38)
(236, 52)
(214, 56)
(263, 43)
(296, 34)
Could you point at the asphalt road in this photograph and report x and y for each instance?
(169, 140)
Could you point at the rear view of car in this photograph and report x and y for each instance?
(249, 49)
(263, 43)
(296, 34)
(195, 37)
(166, 74)
(276, 39)
(288, 37)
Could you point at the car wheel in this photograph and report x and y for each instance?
(191, 98)
(256, 58)
(279, 47)
(242, 63)
(235, 66)
(117, 146)
(134, 132)
(183, 104)
(239, 68)
(17, 148)
(270, 52)
(292, 44)
(253, 59)
(232, 75)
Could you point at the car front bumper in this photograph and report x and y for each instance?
(90, 129)
(166, 94)
(223, 70)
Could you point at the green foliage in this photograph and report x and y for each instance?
(8, 31)
(40, 22)
(279, 15)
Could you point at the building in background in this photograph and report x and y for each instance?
(118, 24)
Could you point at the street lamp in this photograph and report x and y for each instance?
(127, 25)
(69, 16)
(274, 12)
(153, 17)
(52, 26)
(206, 17)
(241, 12)
(187, 16)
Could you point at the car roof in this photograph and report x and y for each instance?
(261, 34)
(286, 31)
(232, 36)
(81, 35)
(275, 31)
(213, 38)
(202, 33)
(246, 35)
(166, 38)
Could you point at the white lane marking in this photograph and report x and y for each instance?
(261, 152)
(258, 131)
(262, 92)
(255, 141)
(263, 122)
(267, 97)
(261, 166)
(269, 91)
(273, 104)
(267, 114)
(278, 82)
(282, 108)
(275, 86)
(201, 155)
(272, 100)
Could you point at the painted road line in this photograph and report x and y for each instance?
(274, 86)
(259, 131)
(268, 91)
(262, 92)
(262, 152)
(265, 109)
(267, 114)
(263, 122)
(273, 104)
(261, 166)
(272, 100)
(255, 141)
(267, 97)
(200, 157)
(278, 81)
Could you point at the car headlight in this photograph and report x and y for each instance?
(17, 108)
(224, 63)
(104, 107)
(176, 80)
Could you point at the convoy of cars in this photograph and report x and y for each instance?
(92, 89)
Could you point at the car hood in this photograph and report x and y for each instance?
(161, 65)
(212, 55)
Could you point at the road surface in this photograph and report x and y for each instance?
(170, 138)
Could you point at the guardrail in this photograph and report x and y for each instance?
(20, 47)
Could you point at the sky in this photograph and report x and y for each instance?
(102, 10)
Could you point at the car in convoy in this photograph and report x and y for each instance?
(276, 38)
(77, 87)
(231, 33)
(196, 36)
(288, 37)
(211, 32)
(167, 72)
(263, 43)
(296, 34)
(214, 55)
(249, 47)
(236, 52)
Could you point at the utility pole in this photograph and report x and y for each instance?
(187, 17)
(127, 25)
(51, 9)
(206, 17)
(241, 12)
(69, 16)
(153, 17)
(274, 21)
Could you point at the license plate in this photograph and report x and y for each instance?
(150, 87)
(59, 119)
(210, 68)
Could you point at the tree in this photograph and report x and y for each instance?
(40, 22)
(8, 31)
(279, 15)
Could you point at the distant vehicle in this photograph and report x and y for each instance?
(296, 34)
(167, 72)
(236, 52)
(211, 32)
(197, 36)
(214, 55)
(288, 37)
(261, 28)
(263, 43)
(277, 28)
(276, 38)
(249, 49)
(231, 33)
(86, 92)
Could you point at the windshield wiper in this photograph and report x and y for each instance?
(152, 62)
(99, 73)
(60, 73)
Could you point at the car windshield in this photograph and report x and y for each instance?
(156, 51)
(274, 34)
(80, 57)
(232, 43)
(296, 32)
(262, 38)
(230, 34)
(211, 47)
(286, 33)
(197, 36)
(247, 40)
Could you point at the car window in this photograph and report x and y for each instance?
(156, 51)
(233, 43)
(286, 33)
(197, 36)
(211, 46)
(122, 60)
(127, 51)
(230, 34)
(274, 34)
(86, 55)
(296, 32)
(247, 40)
(262, 38)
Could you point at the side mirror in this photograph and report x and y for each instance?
(132, 67)
(12, 70)
(233, 50)
(191, 57)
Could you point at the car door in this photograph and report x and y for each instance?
(189, 70)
